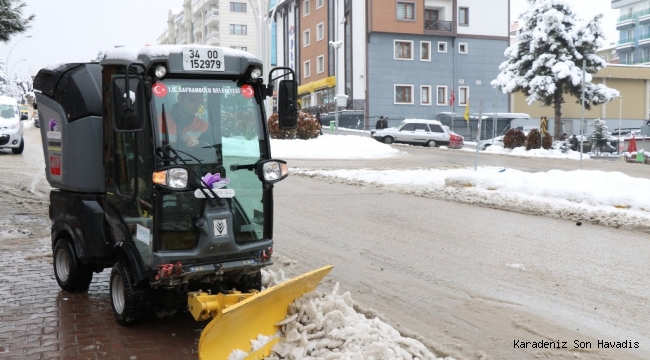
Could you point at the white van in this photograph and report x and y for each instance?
(11, 127)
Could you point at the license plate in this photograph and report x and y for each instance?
(203, 59)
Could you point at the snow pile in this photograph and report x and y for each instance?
(332, 147)
(606, 198)
(327, 327)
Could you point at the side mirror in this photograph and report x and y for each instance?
(287, 109)
(128, 109)
(23, 117)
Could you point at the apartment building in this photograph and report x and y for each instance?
(422, 51)
(398, 58)
(633, 25)
(226, 23)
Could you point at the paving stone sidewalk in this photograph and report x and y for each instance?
(38, 320)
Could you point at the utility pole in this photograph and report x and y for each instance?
(582, 121)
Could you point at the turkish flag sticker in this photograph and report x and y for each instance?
(159, 89)
(247, 91)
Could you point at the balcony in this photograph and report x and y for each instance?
(179, 19)
(438, 27)
(644, 17)
(644, 41)
(212, 17)
(626, 22)
(211, 37)
(617, 4)
(625, 46)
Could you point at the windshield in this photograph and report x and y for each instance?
(7, 111)
(212, 124)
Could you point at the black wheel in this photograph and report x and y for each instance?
(252, 282)
(485, 146)
(19, 150)
(388, 140)
(431, 143)
(70, 273)
(129, 303)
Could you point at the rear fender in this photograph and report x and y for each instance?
(61, 229)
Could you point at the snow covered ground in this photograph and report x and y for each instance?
(333, 326)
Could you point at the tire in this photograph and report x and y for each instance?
(431, 143)
(19, 150)
(129, 303)
(485, 146)
(70, 273)
(388, 140)
(252, 282)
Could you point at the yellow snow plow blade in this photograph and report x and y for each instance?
(239, 318)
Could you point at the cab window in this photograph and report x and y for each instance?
(436, 128)
(408, 127)
(421, 127)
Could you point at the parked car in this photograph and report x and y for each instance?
(11, 127)
(484, 144)
(414, 131)
(455, 141)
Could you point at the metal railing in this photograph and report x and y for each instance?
(438, 25)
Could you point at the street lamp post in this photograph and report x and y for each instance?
(336, 45)
(620, 115)
(14, 45)
(11, 82)
(263, 23)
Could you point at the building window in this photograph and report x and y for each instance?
(463, 16)
(238, 29)
(239, 48)
(238, 7)
(431, 15)
(403, 50)
(425, 95)
(442, 46)
(306, 38)
(320, 64)
(320, 32)
(463, 95)
(319, 4)
(305, 7)
(462, 48)
(403, 94)
(405, 11)
(442, 95)
(425, 50)
(307, 69)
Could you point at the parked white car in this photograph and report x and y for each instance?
(11, 127)
(414, 131)
(484, 144)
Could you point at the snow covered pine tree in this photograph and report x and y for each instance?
(546, 63)
(600, 137)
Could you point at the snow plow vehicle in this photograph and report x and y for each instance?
(161, 169)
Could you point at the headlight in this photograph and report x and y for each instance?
(160, 72)
(256, 74)
(177, 178)
(273, 171)
(174, 178)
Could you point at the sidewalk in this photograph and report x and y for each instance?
(40, 321)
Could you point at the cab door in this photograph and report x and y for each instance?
(406, 133)
(128, 168)
(422, 133)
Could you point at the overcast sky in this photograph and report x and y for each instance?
(75, 30)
